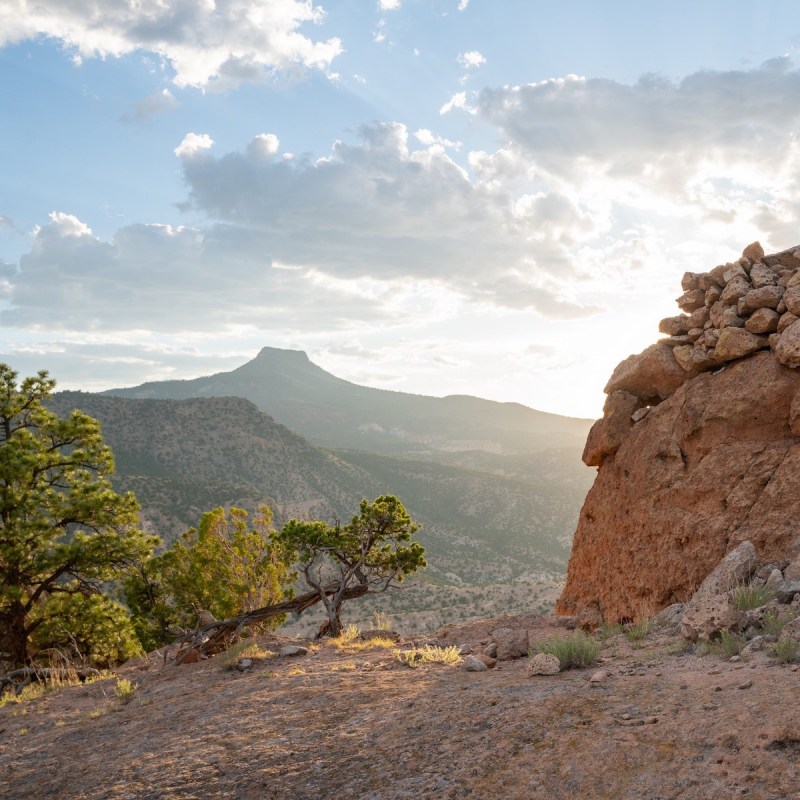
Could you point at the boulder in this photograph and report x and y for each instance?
(674, 326)
(715, 466)
(691, 300)
(292, 651)
(652, 375)
(762, 275)
(736, 343)
(791, 299)
(790, 631)
(792, 571)
(763, 320)
(608, 433)
(787, 350)
(765, 297)
(737, 287)
(694, 359)
(544, 664)
(690, 280)
(474, 664)
(786, 320)
(754, 251)
(708, 615)
(511, 643)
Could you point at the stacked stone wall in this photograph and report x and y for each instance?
(728, 313)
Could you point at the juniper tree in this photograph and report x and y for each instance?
(373, 553)
(64, 532)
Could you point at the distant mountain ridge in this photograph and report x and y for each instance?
(335, 413)
(496, 486)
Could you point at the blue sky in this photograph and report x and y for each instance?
(438, 197)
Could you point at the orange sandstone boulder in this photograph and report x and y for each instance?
(713, 465)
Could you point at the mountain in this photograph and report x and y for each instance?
(335, 413)
(492, 525)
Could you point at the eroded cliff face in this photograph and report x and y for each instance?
(698, 449)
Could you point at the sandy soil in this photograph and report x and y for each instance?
(664, 723)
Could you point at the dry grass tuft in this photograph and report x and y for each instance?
(427, 654)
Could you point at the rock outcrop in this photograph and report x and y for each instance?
(699, 446)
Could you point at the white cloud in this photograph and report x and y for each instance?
(193, 144)
(384, 209)
(388, 5)
(458, 100)
(152, 105)
(462, 5)
(263, 146)
(206, 43)
(600, 196)
(471, 59)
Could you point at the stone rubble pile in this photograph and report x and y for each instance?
(713, 608)
(730, 312)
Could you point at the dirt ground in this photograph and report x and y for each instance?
(664, 722)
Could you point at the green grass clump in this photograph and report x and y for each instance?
(749, 597)
(125, 690)
(636, 631)
(727, 645)
(427, 654)
(607, 631)
(772, 621)
(576, 650)
(785, 650)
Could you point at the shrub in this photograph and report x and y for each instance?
(772, 621)
(749, 597)
(227, 566)
(125, 690)
(427, 654)
(786, 650)
(577, 650)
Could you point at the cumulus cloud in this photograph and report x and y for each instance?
(207, 43)
(383, 208)
(388, 5)
(168, 279)
(670, 136)
(195, 143)
(457, 101)
(471, 59)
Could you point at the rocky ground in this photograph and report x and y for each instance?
(663, 720)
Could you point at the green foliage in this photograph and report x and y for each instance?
(370, 554)
(125, 690)
(428, 654)
(93, 626)
(749, 597)
(607, 631)
(786, 650)
(225, 567)
(772, 621)
(636, 631)
(725, 646)
(576, 650)
(64, 533)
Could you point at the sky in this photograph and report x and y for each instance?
(431, 196)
